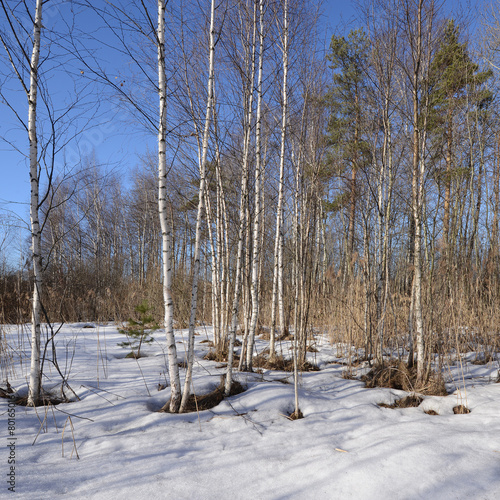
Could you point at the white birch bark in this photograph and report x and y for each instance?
(256, 225)
(201, 196)
(418, 188)
(277, 295)
(166, 230)
(248, 104)
(35, 384)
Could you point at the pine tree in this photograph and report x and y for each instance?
(454, 84)
(139, 331)
(346, 98)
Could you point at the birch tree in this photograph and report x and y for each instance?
(18, 62)
(257, 197)
(201, 207)
(277, 290)
(248, 81)
(166, 230)
(419, 28)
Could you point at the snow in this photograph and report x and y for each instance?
(346, 446)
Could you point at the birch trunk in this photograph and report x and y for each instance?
(256, 226)
(248, 105)
(417, 196)
(201, 195)
(166, 230)
(35, 384)
(277, 295)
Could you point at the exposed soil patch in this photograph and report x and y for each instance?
(265, 334)
(208, 401)
(134, 355)
(296, 415)
(45, 400)
(220, 356)
(283, 381)
(411, 401)
(461, 410)
(397, 375)
(484, 359)
(282, 364)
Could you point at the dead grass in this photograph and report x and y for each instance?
(207, 401)
(461, 410)
(134, 355)
(45, 400)
(265, 334)
(296, 415)
(484, 358)
(397, 375)
(410, 401)
(281, 364)
(431, 412)
(220, 356)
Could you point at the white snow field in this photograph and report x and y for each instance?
(345, 447)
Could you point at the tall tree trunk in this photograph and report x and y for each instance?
(277, 293)
(166, 229)
(201, 196)
(417, 181)
(35, 385)
(248, 113)
(257, 197)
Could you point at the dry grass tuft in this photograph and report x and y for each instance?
(220, 356)
(265, 334)
(411, 401)
(431, 412)
(296, 415)
(207, 401)
(45, 400)
(397, 375)
(281, 364)
(461, 410)
(133, 355)
(484, 358)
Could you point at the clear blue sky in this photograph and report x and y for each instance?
(111, 143)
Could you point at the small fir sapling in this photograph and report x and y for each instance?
(138, 331)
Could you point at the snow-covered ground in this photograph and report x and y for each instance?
(347, 446)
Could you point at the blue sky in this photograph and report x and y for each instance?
(112, 142)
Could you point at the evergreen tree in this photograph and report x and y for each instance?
(138, 331)
(346, 99)
(456, 84)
